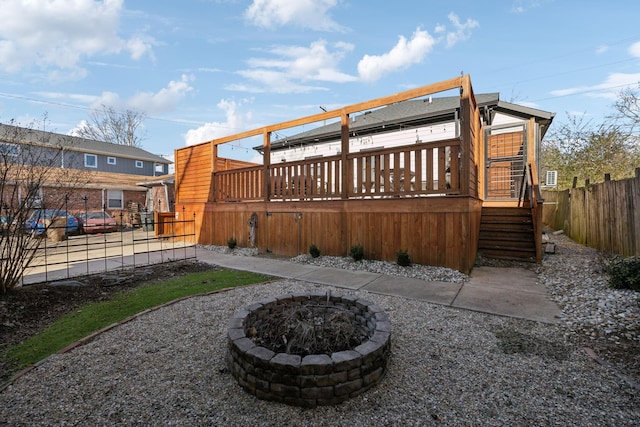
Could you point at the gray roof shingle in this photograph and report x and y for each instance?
(74, 143)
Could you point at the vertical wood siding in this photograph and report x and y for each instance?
(605, 216)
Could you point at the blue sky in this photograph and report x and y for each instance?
(201, 69)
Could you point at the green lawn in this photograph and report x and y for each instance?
(93, 317)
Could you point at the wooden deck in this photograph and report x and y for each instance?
(423, 198)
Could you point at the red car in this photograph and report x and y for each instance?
(97, 222)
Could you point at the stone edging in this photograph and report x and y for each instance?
(312, 380)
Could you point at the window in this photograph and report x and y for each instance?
(114, 199)
(139, 164)
(90, 161)
(111, 160)
(552, 179)
(9, 150)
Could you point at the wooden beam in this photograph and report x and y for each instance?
(378, 102)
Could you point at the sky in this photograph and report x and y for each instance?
(202, 69)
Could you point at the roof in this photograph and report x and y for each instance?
(77, 178)
(411, 112)
(151, 181)
(74, 143)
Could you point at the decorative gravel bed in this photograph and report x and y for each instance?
(447, 367)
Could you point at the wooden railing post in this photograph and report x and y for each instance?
(465, 133)
(267, 162)
(347, 173)
(214, 165)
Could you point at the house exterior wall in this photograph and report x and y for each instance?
(161, 198)
(54, 198)
(76, 160)
(415, 135)
(431, 133)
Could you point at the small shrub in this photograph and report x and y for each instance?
(231, 243)
(624, 273)
(357, 252)
(403, 259)
(314, 251)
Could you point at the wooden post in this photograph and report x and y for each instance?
(466, 103)
(575, 182)
(266, 161)
(214, 166)
(607, 177)
(347, 177)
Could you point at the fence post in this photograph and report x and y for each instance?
(607, 177)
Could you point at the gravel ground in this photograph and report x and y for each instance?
(449, 367)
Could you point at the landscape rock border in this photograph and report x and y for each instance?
(316, 379)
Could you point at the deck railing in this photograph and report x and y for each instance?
(408, 171)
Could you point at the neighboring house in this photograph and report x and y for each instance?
(161, 195)
(444, 178)
(79, 153)
(78, 174)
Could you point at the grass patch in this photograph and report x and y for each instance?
(93, 317)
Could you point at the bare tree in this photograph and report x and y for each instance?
(627, 108)
(30, 178)
(109, 125)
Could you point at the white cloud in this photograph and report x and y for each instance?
(521, 6)
(58, 33)
(601, 49)
(634, 50)
(312, 14)
(162, 101)
(401, 56)
(165, 100)
(609, 89)
(293, 66)
(235, 122)
(462, 30)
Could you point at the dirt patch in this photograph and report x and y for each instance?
(28, 310)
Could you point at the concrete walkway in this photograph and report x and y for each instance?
(509, 292)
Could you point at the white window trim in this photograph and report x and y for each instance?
(120, 195)
(87, 165)
(111, 160)
(139, 164)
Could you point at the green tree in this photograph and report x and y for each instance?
(586, 150)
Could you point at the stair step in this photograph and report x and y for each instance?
(507, 252)
(507, 233)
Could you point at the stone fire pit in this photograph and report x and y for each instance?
(309, 380)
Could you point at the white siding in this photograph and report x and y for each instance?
(357, 143)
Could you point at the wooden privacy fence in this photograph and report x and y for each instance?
(605, 216)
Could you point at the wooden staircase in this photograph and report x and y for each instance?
(507, 233)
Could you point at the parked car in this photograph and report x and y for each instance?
(6, 224)
(41, 219)
(97, 222)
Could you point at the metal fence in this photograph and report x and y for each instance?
(83, 254)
